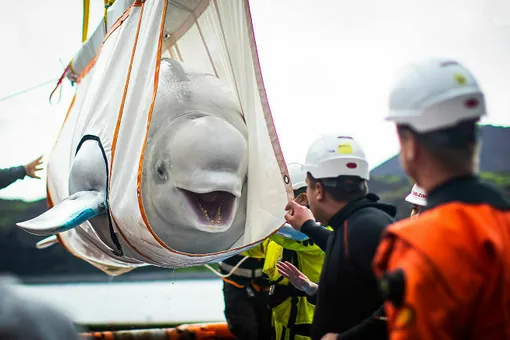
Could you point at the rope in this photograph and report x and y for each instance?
(107, 4)
(229, 273)
(28, 90)
(59, 83)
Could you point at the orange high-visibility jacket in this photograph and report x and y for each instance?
(446, 274)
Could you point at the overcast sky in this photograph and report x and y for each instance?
(327, 66)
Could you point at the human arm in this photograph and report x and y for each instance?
(297, 278)
(302, 219)
(318, 233)
(11, 175)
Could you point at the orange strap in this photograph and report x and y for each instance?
(235, 284)
(260, 288)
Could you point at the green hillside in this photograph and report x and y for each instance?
(393, 188)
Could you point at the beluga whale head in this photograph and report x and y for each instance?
(195, 164)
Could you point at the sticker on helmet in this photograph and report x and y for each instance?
(345, 149)
(471, 103)
(460, 79)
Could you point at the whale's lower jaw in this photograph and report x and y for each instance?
(214, 211)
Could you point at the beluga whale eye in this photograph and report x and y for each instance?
(162, 170)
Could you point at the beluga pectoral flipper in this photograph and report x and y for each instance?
(87, 200)
(70, 213)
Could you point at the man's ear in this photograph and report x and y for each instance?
(321, 194)
(408, 146)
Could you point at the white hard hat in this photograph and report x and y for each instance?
(417, 196)
(333, 155)
(297, 174)
(435, 94)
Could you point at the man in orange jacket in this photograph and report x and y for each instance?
(446, 274)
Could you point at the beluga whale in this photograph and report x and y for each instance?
(168, 154)
(193, 179)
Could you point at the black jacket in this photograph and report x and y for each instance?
(11, 175)
(348, 294)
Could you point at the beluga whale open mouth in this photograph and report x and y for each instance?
(214, 208)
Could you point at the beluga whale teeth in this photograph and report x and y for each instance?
(212, 208)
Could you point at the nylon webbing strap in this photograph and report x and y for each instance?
(107, 4)
(85, 25)
(248, 273)
(293, 317)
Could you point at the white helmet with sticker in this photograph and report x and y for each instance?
(333, 155)
(434, 94)
(417, 196)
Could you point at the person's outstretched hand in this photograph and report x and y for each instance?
(330, 336)
(34, 166)
(297, 278)
(297, 215)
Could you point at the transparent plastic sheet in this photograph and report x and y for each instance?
(115, 100)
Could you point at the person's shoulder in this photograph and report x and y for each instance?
(453, 241)
(371, 218)
(448, 225)
(367, 226)
(427, 221)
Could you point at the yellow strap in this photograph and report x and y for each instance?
(85, 30)
(107, 4)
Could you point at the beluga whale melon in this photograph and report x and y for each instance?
(168, 155)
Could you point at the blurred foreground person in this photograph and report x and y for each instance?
(25, 319)
(446, 274)
(11, 175)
